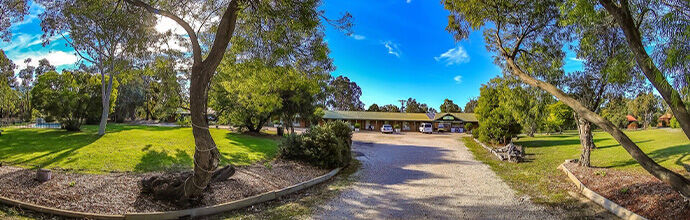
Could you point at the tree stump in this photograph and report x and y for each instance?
(43, 175)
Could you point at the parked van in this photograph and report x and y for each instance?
(426, 128)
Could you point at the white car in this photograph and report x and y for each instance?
(386, 128)
(426, 128)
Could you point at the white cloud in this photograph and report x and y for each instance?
(358, 37)
(458, 79)
(408, 1)
(56, 58)
(165, 24)
(576, 59)
(392, 48)
(20, 41)
(454, 56)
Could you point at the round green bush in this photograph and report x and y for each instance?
(326, 146)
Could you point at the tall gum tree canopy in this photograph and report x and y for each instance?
(524, 35)
(108, 34)
(209, 26)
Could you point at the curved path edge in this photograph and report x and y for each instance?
(609, 205)
(193, 212)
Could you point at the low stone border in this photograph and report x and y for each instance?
(191, 213)
(614, 208)
(500, 157)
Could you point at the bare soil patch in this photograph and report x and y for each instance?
(640, 193)
(119, 193)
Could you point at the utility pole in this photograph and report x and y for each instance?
(402, 105)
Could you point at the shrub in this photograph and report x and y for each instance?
(357, 125)
(674, 123)
(183, 121)
(325, 146)
(343, 132)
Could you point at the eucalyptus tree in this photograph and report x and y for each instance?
(657, 25)
(8, 96)
(345, 95)
(374, 108)
(106, 33)
(449, 106)
(645, 107)
(390, 108)
(216, 22)
(525, 35)
(471, 105)
(609, 71)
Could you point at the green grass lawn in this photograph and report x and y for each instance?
(539, 178)
(125, 148)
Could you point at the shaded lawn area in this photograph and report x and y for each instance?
(539, 178)
(125, 148)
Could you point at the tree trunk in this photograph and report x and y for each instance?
(584, 128)
(676, 181)
(105, 98)
(626, 22)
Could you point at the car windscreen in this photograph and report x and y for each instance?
(427, 125)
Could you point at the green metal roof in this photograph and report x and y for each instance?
(394, 116)
(462, 116)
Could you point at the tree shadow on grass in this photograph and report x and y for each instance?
(660, 156)
(550, 143)
(618, 145)
(155, 160)
(53, 145)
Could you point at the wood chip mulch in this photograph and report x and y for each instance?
(119, 193)
(640, 193)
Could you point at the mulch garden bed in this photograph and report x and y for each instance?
(640, 193)
(119, 193)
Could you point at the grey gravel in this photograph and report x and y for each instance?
(425, 176)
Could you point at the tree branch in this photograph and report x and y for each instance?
(196, 49)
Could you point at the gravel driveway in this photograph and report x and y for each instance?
(413, 176)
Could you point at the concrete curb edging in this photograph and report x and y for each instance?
(500, 157)
(614, 208)
(194, 212)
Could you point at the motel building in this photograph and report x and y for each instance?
(410, 122)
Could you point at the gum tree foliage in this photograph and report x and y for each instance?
(527, 104)
(8, 96)
(11, 12)
(374, 108)
(209, 27)
(615, 110)
(560, 117)
(524, 35)
(496, 121)
(163, 92)
(345, 95)
(390, 108)
(412, 106)
(449, 106)
(249, 94)
(68, 96)
(470, 105)
(106, 33)
(646, 108)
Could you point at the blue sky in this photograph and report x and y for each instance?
(399, 49)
